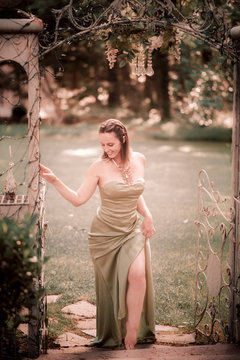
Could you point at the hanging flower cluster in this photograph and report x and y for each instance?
(141, 58)
(141, 66)
(176, 49)
(142, 62)
(111, 54)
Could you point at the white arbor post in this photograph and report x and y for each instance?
(19, 43)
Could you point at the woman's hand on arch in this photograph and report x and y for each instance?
(79, 197)
(47, 174)
(148, 228)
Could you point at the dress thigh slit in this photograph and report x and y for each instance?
(111, 281)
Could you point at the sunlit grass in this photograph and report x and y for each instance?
(191, 132)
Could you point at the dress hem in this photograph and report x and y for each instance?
(146, 340)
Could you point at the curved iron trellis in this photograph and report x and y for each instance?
(214, 275)
(153, 16)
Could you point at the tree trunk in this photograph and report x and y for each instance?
(114, 93)
(50, 101)
(161, 84)
(132, 93)
(150, 91)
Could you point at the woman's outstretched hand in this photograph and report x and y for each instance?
(47, 174)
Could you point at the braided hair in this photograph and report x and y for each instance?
(116, 126)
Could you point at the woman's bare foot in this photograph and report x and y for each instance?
(130, 338)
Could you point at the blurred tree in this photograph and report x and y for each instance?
(201, 83)
(160, 80)
(161, 84)
(114, 89)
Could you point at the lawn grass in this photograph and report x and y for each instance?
(190, 132)
(171, 194)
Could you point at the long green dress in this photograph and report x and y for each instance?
(115, 240)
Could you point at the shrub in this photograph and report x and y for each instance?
(19, 270)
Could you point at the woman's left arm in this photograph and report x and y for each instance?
(148, 229)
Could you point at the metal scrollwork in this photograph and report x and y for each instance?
(213, 272)
(91, 20)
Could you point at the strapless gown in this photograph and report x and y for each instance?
(115, 240)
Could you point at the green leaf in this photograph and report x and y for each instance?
(4, 227)
(122, 63)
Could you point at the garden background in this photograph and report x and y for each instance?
(180, 118)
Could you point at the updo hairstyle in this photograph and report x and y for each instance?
(116, 126)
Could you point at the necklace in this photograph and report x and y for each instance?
(126, 173)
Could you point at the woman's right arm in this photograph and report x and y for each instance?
(83, 194)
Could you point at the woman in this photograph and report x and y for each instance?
(118, 242)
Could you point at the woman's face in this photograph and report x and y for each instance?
(111, 145)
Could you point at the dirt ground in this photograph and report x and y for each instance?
(151, 352)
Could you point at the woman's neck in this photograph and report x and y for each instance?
(118, 160)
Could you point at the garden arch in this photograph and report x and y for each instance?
(19, 44)
(141, 26)
(148, 19)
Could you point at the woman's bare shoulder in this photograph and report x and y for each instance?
(139, 156)
(98, 164)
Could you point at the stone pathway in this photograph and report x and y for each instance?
(86, 312)
(75, 347)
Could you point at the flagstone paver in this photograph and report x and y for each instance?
(180, 339)
(52, 298)
(72, 316)
(87, 324)
(166, 328)
(90, 332)
(81, 308)
(71, 340)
